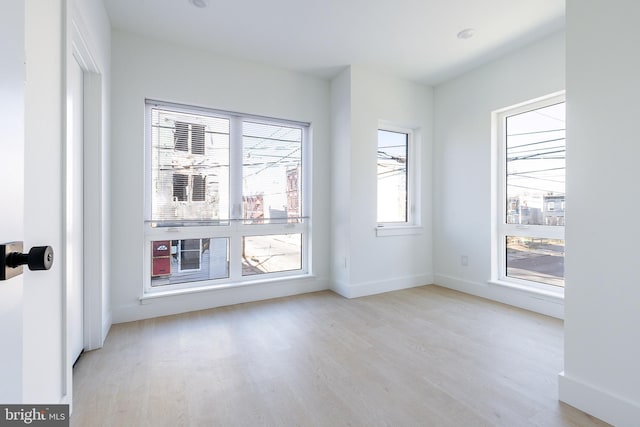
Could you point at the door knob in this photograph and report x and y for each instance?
(38, 258)
(12, 259)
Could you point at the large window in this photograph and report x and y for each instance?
(225, 197)
(531, 193)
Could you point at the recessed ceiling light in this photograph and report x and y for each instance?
(199, 3)
(467, 33)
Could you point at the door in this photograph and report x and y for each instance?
(74, 209)
(12, 77)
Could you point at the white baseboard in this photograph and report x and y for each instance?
(599, 403)
(340, 288)
(106, 326)
(212, 298)
(529, 300)
(380, 286)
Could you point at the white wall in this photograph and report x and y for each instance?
(602, 302)
(462, 165)
(363, 263)
(340, 178)
(144, 68)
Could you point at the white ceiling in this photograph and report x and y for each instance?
(413, 39)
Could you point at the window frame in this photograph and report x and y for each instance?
(500, 228)
(412, 225)
(235, 228)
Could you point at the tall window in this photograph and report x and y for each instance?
(225, 196)
(394, 171)
(532, 156)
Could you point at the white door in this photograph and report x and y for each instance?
(74, 209)
(12, 76)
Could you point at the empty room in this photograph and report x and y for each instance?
(319, 213)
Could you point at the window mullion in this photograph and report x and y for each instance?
(235, 198)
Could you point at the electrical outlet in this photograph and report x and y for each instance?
(464, 260)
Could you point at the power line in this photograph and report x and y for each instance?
(513, 147)
(535, 170)
(538, 178)
(539, 156)
(536, 132)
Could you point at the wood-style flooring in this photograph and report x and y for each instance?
(426, 356)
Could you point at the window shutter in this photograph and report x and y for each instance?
(199, 187)
(181, 136)
(197, 139)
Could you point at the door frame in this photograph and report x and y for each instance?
(93, 191)
(78, 48)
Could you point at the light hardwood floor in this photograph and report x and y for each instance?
(427, 356)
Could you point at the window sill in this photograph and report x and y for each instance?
(149, 296)
(556, 294)
(398, 230)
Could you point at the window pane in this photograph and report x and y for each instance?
(188, 260)
(535, 259)
(271, 172)
(269, 254)
(392, 176)
(190, 167)
(535, 159)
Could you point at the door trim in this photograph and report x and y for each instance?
(92, 194)
(95, 326)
